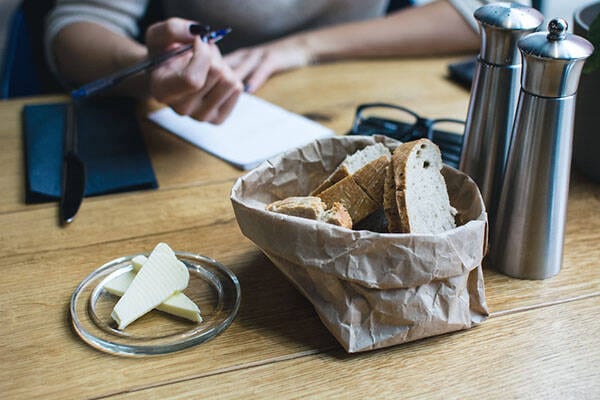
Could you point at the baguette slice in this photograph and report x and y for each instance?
(313, 208)
(371, 178)
(390, 208)
(352, 164)
(358, 203)
(416, 198)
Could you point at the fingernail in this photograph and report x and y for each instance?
(247, 87)
(198, 29)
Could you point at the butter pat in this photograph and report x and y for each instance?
(160, 277)
(179, 304)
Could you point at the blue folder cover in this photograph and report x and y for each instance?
(109, 143)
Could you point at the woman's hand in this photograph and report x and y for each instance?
(254, 65)
(198, 83)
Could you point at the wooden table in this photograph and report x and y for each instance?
(542, 339)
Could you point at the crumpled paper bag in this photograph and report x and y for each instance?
(370, 289)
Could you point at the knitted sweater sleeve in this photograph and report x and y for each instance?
(120, 16)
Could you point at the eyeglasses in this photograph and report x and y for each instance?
(405, 125)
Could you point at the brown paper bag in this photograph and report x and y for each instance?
(370, 289)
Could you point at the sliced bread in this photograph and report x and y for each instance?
(347, 192)
(313, 208)
(371, 177)
(358, 182)
(352, 164)
(415, 195)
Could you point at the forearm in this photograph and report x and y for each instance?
(436, 28)
(85, 51)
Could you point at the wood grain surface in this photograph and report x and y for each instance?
(541, 341)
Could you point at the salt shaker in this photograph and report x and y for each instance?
(530, 224)
(494, 94)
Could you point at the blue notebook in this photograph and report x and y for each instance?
(109, 143)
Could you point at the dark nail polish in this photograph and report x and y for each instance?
(198, 29)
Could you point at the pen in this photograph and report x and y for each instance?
(112, 80)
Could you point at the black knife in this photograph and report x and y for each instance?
(73, 169)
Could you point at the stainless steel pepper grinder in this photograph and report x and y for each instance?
(530, 224)
(494, 94)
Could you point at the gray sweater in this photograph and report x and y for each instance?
(253, 22)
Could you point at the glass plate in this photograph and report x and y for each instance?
(213, 287)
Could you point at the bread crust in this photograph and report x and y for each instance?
(338, 215)
(390, 207)
(299, 206)
(404, 222)
(375, 190)
(371, 178)
(400, 159)
(347, 192)
(312, 208)
(340, 173)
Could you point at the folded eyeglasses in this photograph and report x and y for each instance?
(405, 125)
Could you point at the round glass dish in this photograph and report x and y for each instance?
(213, 287)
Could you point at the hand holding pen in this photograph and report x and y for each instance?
(185, 70)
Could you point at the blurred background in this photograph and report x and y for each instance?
(561, 8)
(550, 8)
(7, 9)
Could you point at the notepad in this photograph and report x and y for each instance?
(110, 144)
(256, 130)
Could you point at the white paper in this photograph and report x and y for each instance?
(255, 130)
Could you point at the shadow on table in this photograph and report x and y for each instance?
(272, 306)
